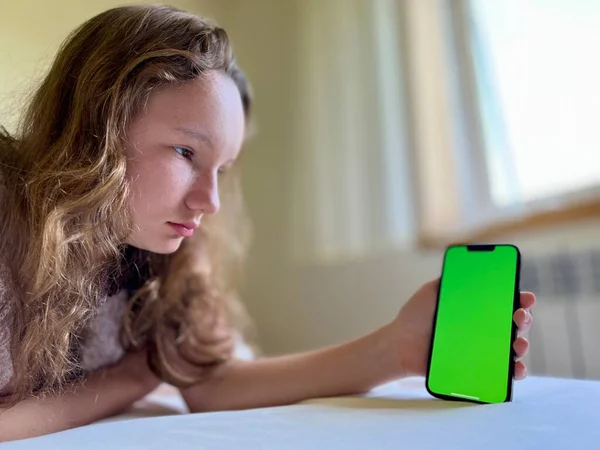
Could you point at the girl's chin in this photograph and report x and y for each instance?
(162, 246)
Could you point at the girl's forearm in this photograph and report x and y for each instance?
(103, 394)
(350, 368)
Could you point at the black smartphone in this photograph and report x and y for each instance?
(471, 356)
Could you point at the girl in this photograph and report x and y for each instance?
(116, 272)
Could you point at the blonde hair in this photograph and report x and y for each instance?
(66, 214)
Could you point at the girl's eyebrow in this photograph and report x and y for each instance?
(197, 135)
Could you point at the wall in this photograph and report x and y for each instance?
(31, 32)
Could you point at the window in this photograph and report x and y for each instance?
(536, 77)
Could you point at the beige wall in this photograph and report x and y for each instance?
(31, 32)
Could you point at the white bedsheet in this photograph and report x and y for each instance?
(546, 414)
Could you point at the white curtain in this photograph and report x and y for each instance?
(352, 177)
(377, 164)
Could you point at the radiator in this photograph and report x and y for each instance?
(565, 338)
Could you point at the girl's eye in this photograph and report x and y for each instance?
(187, 154)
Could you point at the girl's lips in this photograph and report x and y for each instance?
(183, 229)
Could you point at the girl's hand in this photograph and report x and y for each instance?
(412, 329)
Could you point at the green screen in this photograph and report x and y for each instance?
(471, 349)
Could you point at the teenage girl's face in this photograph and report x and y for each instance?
(177, 148)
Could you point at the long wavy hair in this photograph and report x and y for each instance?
(66, 215)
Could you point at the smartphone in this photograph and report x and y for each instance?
(471, 356)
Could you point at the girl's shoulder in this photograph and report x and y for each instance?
(5, 277)
(6, 286)
(6, 302)
(7, 294)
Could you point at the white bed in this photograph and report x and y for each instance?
(546, 413)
